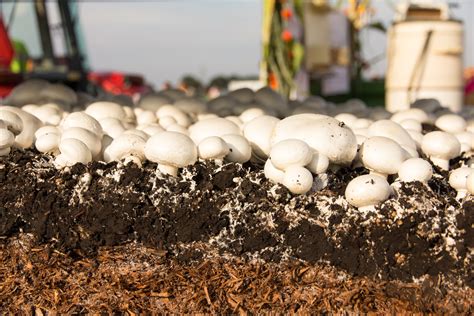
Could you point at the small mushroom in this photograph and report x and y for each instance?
(171, 151)
(91, 140)
(105, 109)
(470, 184)
(166, 121)
(458, 180)
(273, 173)
(240, 150)
(415, 169)
(451, 123)
(259, 133)
(382, 156)
(298, 180)
(72, 151)
(290, 152)
(213, 147)
(48, 143)
(212, 127)
(440, 147)
(83, 120)
(251, 113)
(367, 191)
(179, 116)
(7, 139)
(129, 147)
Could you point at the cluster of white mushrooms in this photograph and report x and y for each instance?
(175, 131)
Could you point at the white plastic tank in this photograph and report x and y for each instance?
(424, 61)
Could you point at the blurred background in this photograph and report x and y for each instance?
(157, 44)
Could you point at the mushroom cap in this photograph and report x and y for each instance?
(273, 173)
(470, 184)
(466, 138)
(91, 140)
(59, 93)
(441, 145)
(48, 129)
(298, 180)
(112, 126)
(347, 118)
(458, 178)
(392, 130)
(212, 127)
(411, 124)
(415, 169)
(146, 117)
(362, 123)
(47, 142)
(74, 151)
(178, 129)
(166, 121)
(125, 145)
(451, 123)
(6, 138)
(105, 109)
(212, 147)
(290, 152)
(12, 121)
(171, 148)
(382, 155)
(138, 133)
(151, 129)
(259, 133)
(412, 114)
(170, 110)
(30, 124)
(324, 134)
(239, 148)
(83, 120)
(251, 113)
(367, 190)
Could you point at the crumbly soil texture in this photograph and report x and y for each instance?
(228, 212)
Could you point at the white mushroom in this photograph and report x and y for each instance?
(440, 147)
(324, 134)
(129, 147)
(7, 139)
(112, 126)
(392, 130)
(290, 152)
(451, 123)
(259, 133)
(83, 120)
(298, 180)
(239, 148)
(415, 169)
(30, 124)
(411, 124)
(412, 114)
(48, 143)
(212, 127)
(151, 129)
(91, 140)
(47, 130)
(458, 180)
(145, 117)
(272, 172)
(169, 110)
(105, 109)
(72, 151)
(250, 114)
(366, 191)
(138, 133)
(382, 156)
(178, 129)
(213, 147)
(171, 151)
(466, 139)
(166, 121)
(470, 184)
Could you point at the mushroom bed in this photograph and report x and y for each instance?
(221, 237)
